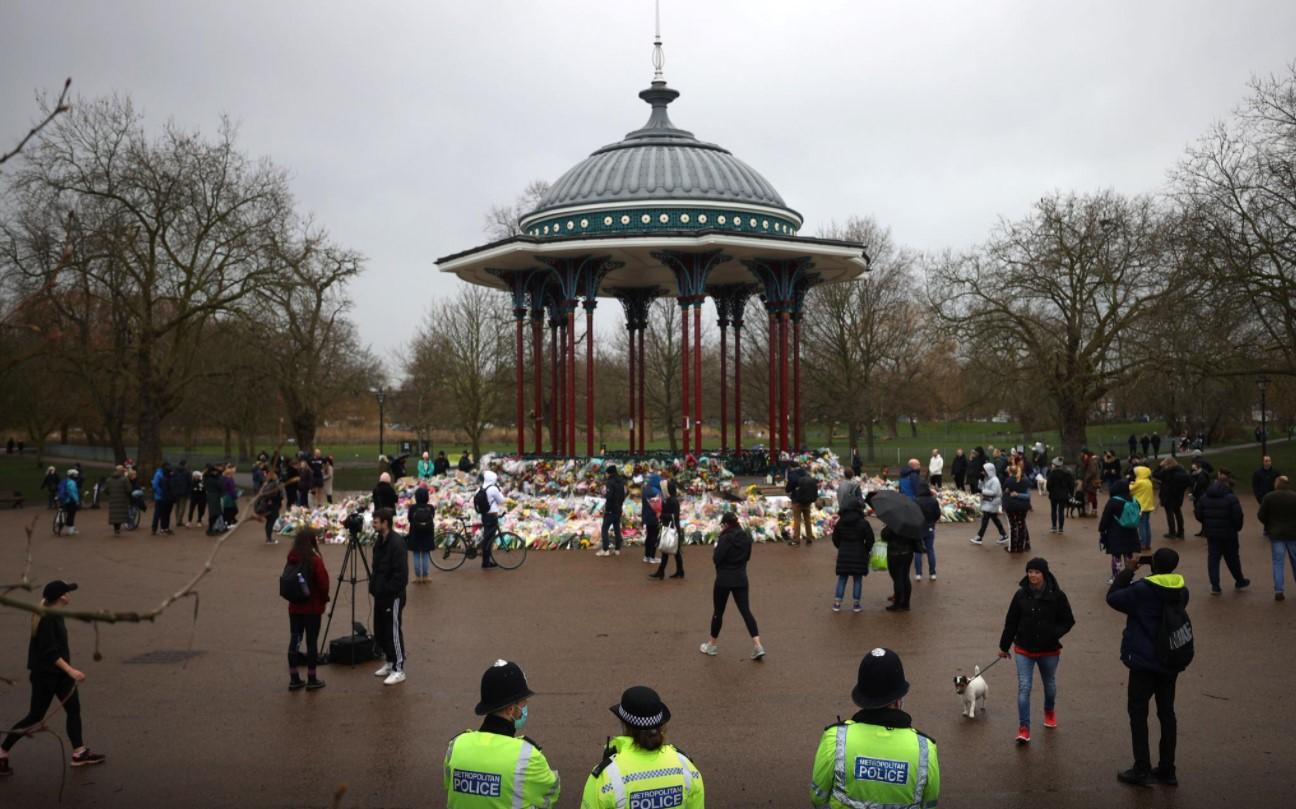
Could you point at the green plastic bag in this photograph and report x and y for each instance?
(878, 557)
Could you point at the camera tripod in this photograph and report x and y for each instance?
(349, 573)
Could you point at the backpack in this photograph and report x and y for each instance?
(1174, 641)
(1130, 514)
(61, 493)
(807, 489)
(481, 501)
(292, 582)
(422, 517)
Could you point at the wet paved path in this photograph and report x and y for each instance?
(221, 729)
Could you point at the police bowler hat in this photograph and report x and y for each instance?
(881, 680)
(640, 707)
(502, 685)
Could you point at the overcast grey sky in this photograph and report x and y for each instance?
(401, 123)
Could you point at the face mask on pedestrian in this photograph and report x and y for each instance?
(520, 720)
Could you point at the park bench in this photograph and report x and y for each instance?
(11, 499)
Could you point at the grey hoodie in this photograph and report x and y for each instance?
(991, 491)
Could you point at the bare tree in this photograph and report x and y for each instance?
(1064, 299)
(662, 368)
(503, 221)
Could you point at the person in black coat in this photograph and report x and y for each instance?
(1174, 482)
(441, 465)
(931, 510)
(1133, 444)
(900, 554)
(384, 494)
(853, 538)
(1113, 538)
(269, 502)
(422, 534)
(1143, 603)
(387, 583)
(612, 505)
(212, 487)
(732, 552)
(959, 468)
(1262, 481)
(1038, 616)
(1061, 486)
(670, 518)
(857, 463)
(1220, 514)
(465, 462)
(1111, 469)
(179, 485)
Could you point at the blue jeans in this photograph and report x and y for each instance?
(929, 550)
(1281, 549)
(422, 563)
(1145, 530)
(1025, 679)
(841, 586)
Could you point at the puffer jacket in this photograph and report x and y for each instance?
(1141, 489)
(1061, 484)
(390, 567)
(1036, 622)
(118, 492)
(1116, 538)
(1142, 602)
(991, 491)
(1174, 485)
(1219, 512)
(853, 538)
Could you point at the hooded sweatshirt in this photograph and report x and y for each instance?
(1037, 620)
(1141, 489)
(493, 493)
(1142, 602)
(991, 490)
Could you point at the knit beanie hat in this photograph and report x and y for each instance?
(1165, 560)
(1038, 563)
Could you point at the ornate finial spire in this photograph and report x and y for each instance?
(658, 58)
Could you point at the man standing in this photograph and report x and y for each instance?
(1156, 445)
(1146, 603)
(910, 477)
(489, 502)
(614, 500)
(959, 468)
(52, 675)
(441, 465)
(1278, 516)
(876, 757)
(494, 767)
(162, 499)
(803, 491)
(935, 468)
(178, 487)
(387, 586)
(1262, 482)
(1133, 444)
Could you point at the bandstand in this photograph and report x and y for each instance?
(658, 213)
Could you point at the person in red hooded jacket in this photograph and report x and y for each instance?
(304, 617)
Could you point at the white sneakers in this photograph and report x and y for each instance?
(602, 553)
(918, 577)
(932, 577)
(395, 678)
(384, 671)
(709, 648)
(650, 560)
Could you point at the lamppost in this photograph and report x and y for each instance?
(1263, 384)
(381, 395)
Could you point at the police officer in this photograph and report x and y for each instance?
(876, 758)
(638, 767)
(494, 766)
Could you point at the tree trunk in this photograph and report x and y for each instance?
(304, 427)
(117, 440)
(871, 434)
(228, 446)
(148, 417)
(852, 435)
(63, 433)
(1073, 423)
(913, 427)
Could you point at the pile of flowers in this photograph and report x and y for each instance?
(558, 504)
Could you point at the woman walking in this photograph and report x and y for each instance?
(422, 534)
(638, 767)
(651, 509)
(853, 538)
(1092, 480)
(118, 491)
(1038, 616)
(1220, 514)
(1017, 504)
(732, 552)
(304, 617)
(670, 518)
(1120, 541)
(991, 503)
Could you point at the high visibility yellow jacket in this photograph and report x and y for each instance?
(492, 769)
(877, 760)
(629, 776)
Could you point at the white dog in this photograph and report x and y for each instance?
(973, 691)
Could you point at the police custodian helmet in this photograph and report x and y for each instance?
(881, 680)
(502, 685)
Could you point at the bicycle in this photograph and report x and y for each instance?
(60, 520)
(453, 548)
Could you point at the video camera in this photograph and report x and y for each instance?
(354, 523)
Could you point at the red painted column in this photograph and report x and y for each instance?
(589, 378)
(738, 417)
(520, 397)
(633, 379)
(554, 408)
(796, 383)
(643, 402)
(783, 382)
(697, 374)
(773, 387)
(571, 379)
(724, 386)
(684, 364)
(537, 360)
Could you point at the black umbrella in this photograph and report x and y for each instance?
(900, 513)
